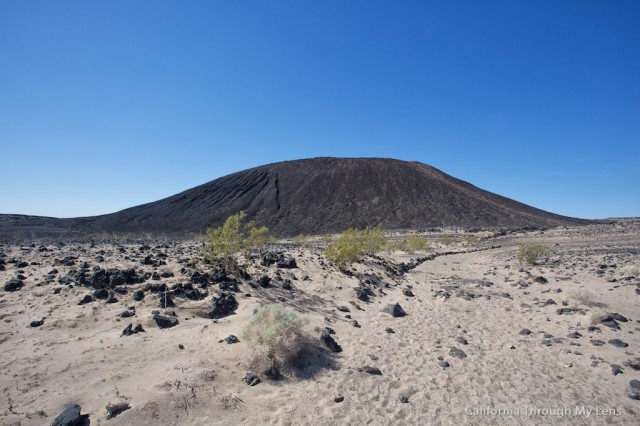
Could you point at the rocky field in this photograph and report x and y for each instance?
(143, 332)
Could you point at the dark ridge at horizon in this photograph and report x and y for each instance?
(313, 196)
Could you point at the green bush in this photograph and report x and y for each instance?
(234, 237)
(472, 239)
(299, 239)
(447, 240)
(353, 244)
(411, 244)
(327, 238)
(276, 339)
(531, 253)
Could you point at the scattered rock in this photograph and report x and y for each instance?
(329, 341)
(286, 263)
(13, 285)
(165, 321)
(231, 339)
(633, 393)
(264, 281)
(404, 399)
(462, 340)
(223, 305)
(338, 398)
(574, 335)
(389, 330)
(37, 323)
(251, 379)
(618, 343)
(70, 417)
(458, 353)
(633, 363)
(394, 310)
(525, 332)
(616, 369)
(407, 292)
(128, 331)
(114, 409)
(86, 299)
(370, 370)
(444, 364)
(597, 342)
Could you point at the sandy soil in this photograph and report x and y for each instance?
(471, 296)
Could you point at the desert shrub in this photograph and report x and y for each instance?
(630, 272)
(276, 339)
(411, 244)
(353, 244)
(327, 238)
(299, 239)
(596, 315)
(531, 253)
(447, 240)
(578, 296)
(234, 237)
(472, 239)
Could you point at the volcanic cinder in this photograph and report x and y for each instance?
(313, 196)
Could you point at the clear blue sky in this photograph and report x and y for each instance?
(109, 104)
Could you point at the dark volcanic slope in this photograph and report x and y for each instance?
(319, 195)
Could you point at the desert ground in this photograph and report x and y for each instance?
(485, 339)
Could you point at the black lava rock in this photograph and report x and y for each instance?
(37, 323)
(138, 295)
(329, 341)
(86, 299)
(165, 321)
(286, 263)
(13, 285)
(394, 310)
(223, 305)
(618, 343)
(458, 353)
(251, 379)
(371, 370)
(616, 369)
(71, 417)
(264, 281)
(231, 339)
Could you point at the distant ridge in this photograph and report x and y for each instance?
(312, 196)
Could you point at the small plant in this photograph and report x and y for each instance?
(596, 315)
(472, 239)
(234, 237)
(327, 239)
(448, 240)
(581, 296)
(532, 253)
(353, 244)
(299, 239)
(276, 338)
(411, 244)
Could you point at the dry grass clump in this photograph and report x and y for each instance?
(580, 296)
(276, 339)
(532, 253)
(596, 315)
